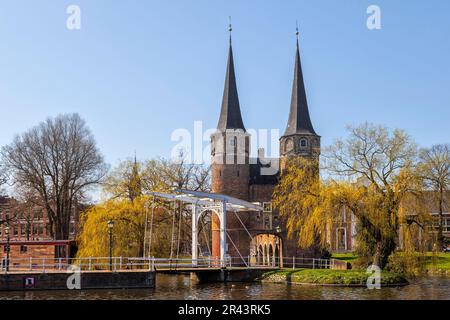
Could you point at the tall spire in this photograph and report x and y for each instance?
(299, 120)
(134, 183)
(230, 28)
(230, 114)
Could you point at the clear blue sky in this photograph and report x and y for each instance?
(139, 69)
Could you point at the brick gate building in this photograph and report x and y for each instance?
(236, 174)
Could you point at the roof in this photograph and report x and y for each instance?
(299, 121)
(230, 113)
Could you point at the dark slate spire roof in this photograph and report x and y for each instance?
(230, 114)
(299, 120)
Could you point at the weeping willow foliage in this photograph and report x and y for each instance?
(128, 231)
(302, 201)
(310, 206)
(125, 187)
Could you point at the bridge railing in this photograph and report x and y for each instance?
(294, 262)
(44, 265)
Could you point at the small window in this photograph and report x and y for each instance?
(233, 141)
(267, 206)
(303, 143)
(23, 249)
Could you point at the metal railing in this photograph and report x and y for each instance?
(115, 264)
(295, 263)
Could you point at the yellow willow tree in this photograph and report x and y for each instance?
(128, 231)
(126, 186)
(371, 172)
(380, 162)
(303, 202)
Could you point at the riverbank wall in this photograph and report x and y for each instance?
(77, 280)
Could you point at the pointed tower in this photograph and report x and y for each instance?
(299, 138)
(134, 186)
(230, 143)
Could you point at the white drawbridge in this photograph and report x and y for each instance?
(201, 202)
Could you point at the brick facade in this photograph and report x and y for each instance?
(24, 253)
(29, 222)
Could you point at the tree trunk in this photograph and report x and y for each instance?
(377, 254)
(440, 235)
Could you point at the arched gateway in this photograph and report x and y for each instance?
(266, 250)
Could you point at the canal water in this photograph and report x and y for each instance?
(180, 287)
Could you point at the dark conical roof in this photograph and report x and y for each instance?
(299, 120)
(230, 114)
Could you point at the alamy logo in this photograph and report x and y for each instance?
(374, 279)
(73, 22)
(374, 20)
(74, 280)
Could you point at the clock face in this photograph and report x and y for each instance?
(289, 145)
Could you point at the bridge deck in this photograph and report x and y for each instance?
(202, 269)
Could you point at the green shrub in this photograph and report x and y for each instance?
(409, 263)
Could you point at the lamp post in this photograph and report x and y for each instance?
(110, 232)
(7, 247)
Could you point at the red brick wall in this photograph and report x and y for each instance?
(230, 179)
(37, 252)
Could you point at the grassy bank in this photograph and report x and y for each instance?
(330, 277)
(438, 265)
(347, 257)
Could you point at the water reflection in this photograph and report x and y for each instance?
(180, 287)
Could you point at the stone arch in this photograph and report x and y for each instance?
(266, 250)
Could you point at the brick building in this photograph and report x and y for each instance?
(236, 174)
(29, 231)
(421, 220)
